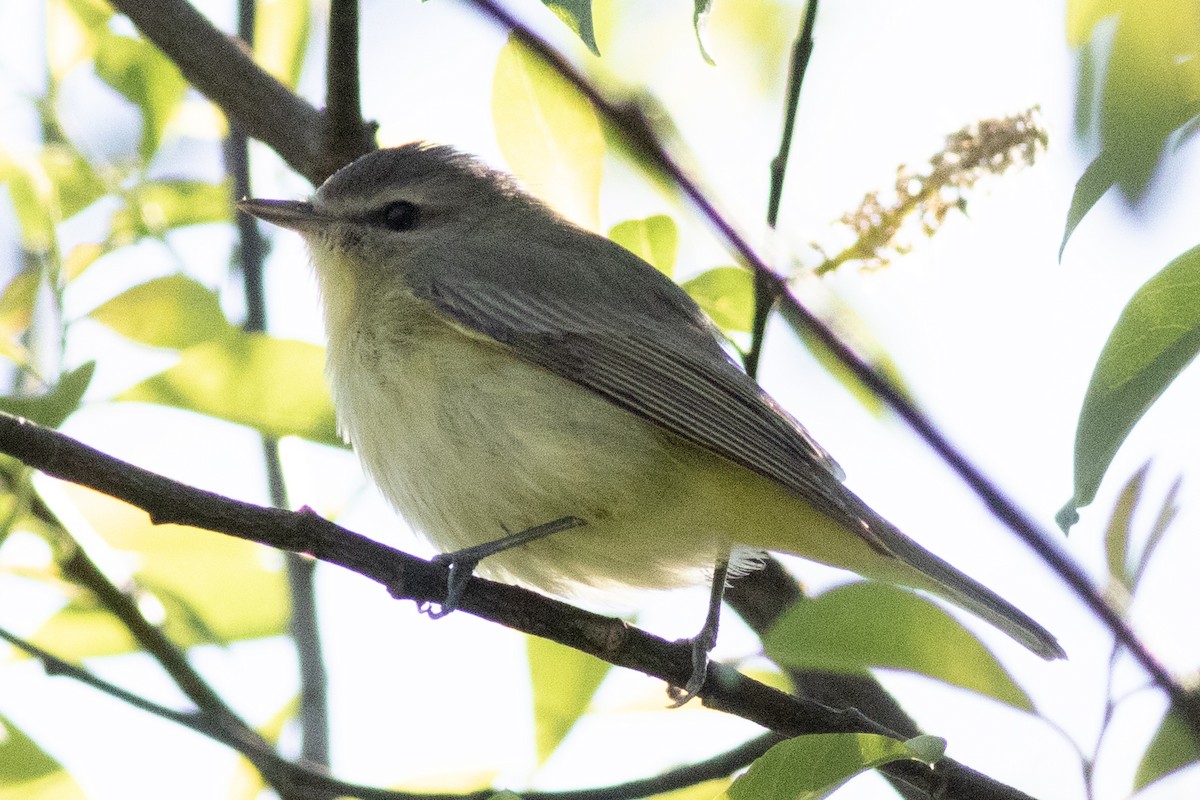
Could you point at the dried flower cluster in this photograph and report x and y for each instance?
(881, 225)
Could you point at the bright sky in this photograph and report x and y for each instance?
(994, 336)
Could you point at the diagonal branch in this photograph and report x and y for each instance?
(224, 71)
(639, 135)
(407, 577)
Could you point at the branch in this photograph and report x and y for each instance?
(407, 577)
(347, 136)
(302, 781)
(313, 713)
(224, 72)
(290, 780)
(639, 135)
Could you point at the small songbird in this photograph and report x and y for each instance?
(531, 394)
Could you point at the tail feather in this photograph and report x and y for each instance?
(964, 591)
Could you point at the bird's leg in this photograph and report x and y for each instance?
(706, 639)
(462, 563)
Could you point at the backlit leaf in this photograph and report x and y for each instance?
(727, 295)
(52, 408)
(564, 681)
(868, 624)
(1098, 178)
(702, 8)
(46, 188)
(175, 312)
(653, 239)
(29, 772)
(813, 767)
(1117, 536)
(281, 29)
(185, 572)
(1151, 79)
(147, 78)
(1172, 748)
(71, 33)
(576, 15)
(549, 133)
(1156, 336)
(275, 386)
(163, 205)
(17, 300)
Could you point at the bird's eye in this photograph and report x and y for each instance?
(400, 215)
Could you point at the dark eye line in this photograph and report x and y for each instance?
(398, 215)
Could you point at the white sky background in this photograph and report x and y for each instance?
(996, 339)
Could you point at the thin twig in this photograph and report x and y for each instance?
(764, 298)
(302, 622)
(314, 782)
(639, 135)
(79, 568)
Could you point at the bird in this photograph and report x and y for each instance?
(550, 410)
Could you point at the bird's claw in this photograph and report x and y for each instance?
(695, 683)
(459, 571)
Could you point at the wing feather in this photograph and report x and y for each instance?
(677, 377)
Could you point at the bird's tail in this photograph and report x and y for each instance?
(962, 590)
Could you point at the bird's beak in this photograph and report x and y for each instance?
(297, 215)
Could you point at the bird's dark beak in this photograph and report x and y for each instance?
(297, 215)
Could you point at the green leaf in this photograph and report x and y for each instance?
(80, 258)
(53, 408)
(1098, 178)
(160, 206)
(275, 386)
(702, 8)
(83, 629)
(146, 78)
(548, 132)
(47, 188)
(1166, 515)
(813, 767)
(281, 30)
(868, 624)
(183, 573)
(1156, 336)
(17, 301)
(564, 681)
(727, 295)
(28, 772)
(928, 749)
(577, 15)
(71, 33)
(74, 181)
(1173, 747)
(33, 201)
(1151, 81)
(653, 239)
(1116, 538)
(175, 312)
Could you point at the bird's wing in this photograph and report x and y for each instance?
(651, 352)
(656, 357)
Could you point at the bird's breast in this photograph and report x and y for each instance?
(468, 442)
